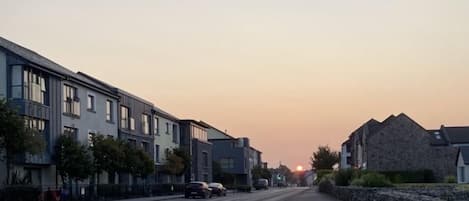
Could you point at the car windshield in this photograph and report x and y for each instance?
(194, 185)
(214, 185)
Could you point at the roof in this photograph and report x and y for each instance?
(199, 123)
(115, 89)
(465, 154)
(36, 59)
(165, 114)
(456, 135)
(437, 138)
(222, 132)
(255, 149)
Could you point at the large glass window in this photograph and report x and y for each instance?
(28, 84)
(132, 123)
(124, 117)
(227, 163)
(146, 124)
(91, 102)
(156, 125)
(175, 133)
(157, 153)
(71, 100)
(71, 132)
(109, 115)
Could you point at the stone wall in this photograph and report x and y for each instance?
(400, 194)
(404, 145)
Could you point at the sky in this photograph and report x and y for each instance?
(291, 75)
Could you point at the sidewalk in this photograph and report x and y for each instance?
(155, 198)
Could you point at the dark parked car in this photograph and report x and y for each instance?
(197, 189)
(261, 184)
(217, 189)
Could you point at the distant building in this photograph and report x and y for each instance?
(233, 155)
(398, 144)
(195, 142)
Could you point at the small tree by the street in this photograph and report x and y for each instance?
(181, 153)
(324, 158)
(15, 137)
(174, 164)
(108, 155)
(259, 172)
(73, 160)
(137, 162)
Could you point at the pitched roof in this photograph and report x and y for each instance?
(465, 154)
(38, 60)
(456, 135)
(214, 128)
(437, 137)
(165, 114)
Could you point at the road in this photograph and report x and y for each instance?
(283, 194)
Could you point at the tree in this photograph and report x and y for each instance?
(137, 162)
(73, 161)
(324, 158)
(15, 137)
(260, 173)
(181, 153)
(108, 155)
(174, 164)
(287, 173)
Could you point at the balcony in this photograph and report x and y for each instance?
(31, 108)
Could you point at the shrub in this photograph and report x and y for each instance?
(375, 180)
(344, 177)
(417, 176)
(357, 182)
(450, 179)
(20, 193)
(321, 174)
(326, 185)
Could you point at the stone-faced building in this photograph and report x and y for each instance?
(195, 142)
(398, 144)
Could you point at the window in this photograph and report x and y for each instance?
(91, 103)
(144, 146)
(90, 138)
(227, 163)
(71, 132)
(71, 101)
(205, 158)
(146, 124)
(132, 123)
(109, 115)
(124, 117)
(37, 124)
(205, 177)
(462, 176)
(175, 133)
(157, 153)
(132, 143)
(167, 128)
(156, 125)
(29, 84)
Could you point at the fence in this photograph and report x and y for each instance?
(103, 192)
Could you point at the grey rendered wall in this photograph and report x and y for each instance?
(225, 149)
(198, 165)
(3, 75)
(94, 122)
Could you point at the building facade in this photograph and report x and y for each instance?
(399, 144)
(195, 142)
(232, 154)
(167, 138)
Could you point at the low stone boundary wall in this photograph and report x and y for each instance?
(431, 193)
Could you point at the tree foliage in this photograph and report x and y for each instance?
(73, 160)
(174, 164)
(181, 153)
(108, 154)
(15, 136)
(324, 158)
(137, 162)
(259, 172)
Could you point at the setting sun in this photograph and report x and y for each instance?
(299, 168)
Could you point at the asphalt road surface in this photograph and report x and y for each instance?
(283, 194)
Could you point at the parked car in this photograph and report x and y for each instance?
(261, 184)
(197, 189)
(217, 189)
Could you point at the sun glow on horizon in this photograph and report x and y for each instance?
(299, 168)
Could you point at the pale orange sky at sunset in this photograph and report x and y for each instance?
(290, 75)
